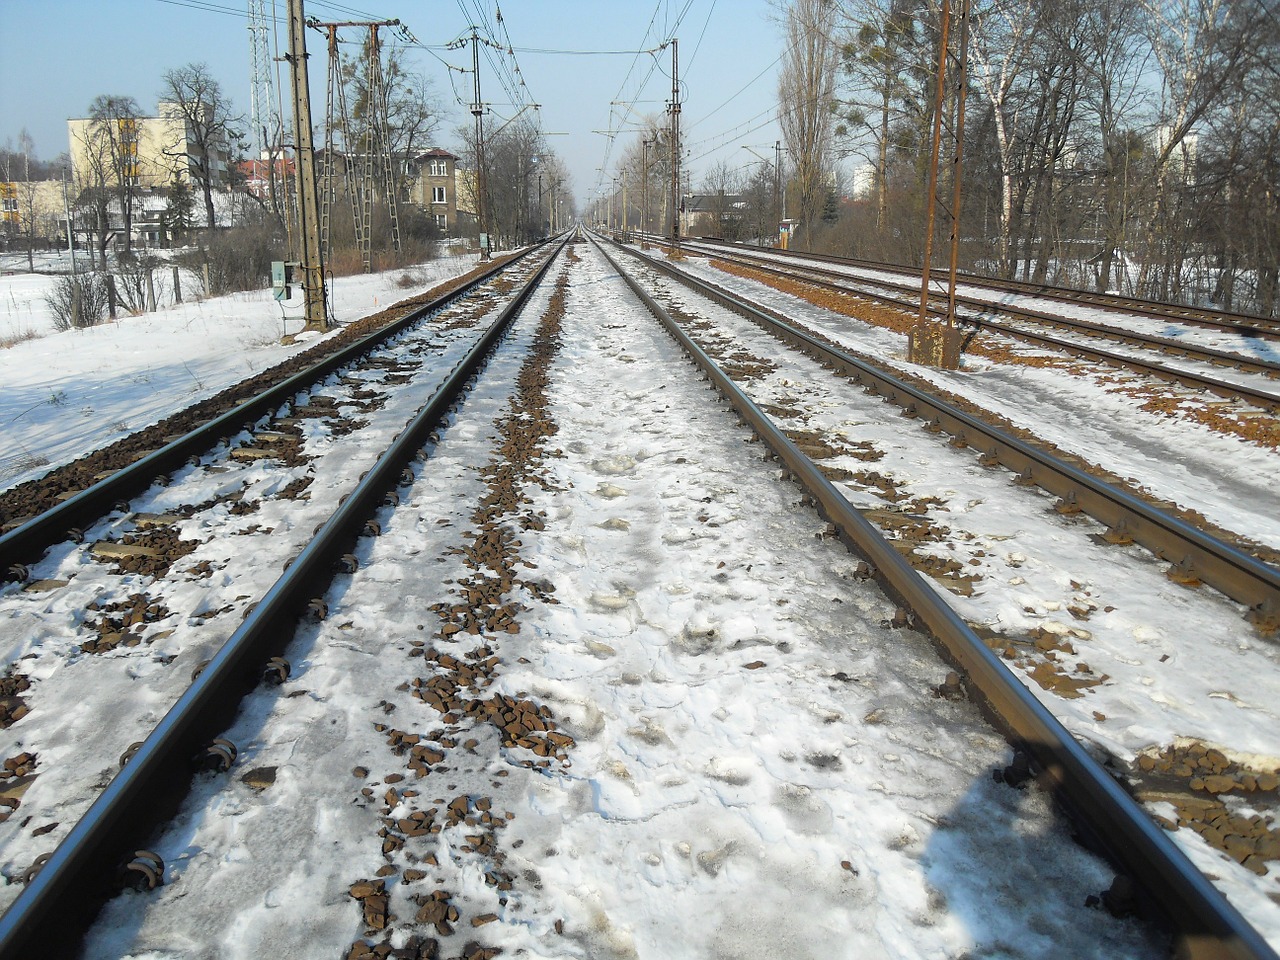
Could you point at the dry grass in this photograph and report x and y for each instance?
(13, 339)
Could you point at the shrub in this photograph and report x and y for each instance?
(132, 272)
(238, 259)
(78, 301)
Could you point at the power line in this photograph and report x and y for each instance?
(669, 34)
(739, 93)
(206, 7)
(698, 46)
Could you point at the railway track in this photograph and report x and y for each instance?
(477, 684)
(978, 311)
(896, 392)
(249, 509)
(1249, 325)
(1198, 555)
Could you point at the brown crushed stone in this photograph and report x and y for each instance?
(454, 686)
(1231, 805)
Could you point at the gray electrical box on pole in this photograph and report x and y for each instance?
(305, 160)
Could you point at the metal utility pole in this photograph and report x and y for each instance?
(352, 181)
(262, 113)
(674, 110)
(380, 142)
(644, 186)
(305, 157)
(360, 169)
(477, 110)
(778, 190)
(931, 343)
(71, 246)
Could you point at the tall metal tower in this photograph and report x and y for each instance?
(263, 115)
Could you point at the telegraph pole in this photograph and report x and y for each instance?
(957, 160)
(305, 161)
(674, 110)
(477, 110)
(644, 183)
(777, 177)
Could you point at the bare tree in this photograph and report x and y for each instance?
(760, 194)
(1202, 48)
(806, 87)
(410, 106)
(210, 127)
(111, 149)
(27, 214)
(722, 185)
(514, 154)
(1000, 45)
(1113, 57)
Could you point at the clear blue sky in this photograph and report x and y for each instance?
(59, 54)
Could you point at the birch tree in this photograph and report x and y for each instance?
(1000, 42)
(1202, 49)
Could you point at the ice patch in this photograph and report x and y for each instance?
(614, 465)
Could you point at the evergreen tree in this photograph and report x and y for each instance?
(179, 211)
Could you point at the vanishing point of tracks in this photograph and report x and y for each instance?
(95, 855)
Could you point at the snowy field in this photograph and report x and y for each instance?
(67, 393)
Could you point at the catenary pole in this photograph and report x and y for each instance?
(675, 144)
(477, 110)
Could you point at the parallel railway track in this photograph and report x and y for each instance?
(85, 868)
(1248, 325)
(1237, 574)
(978, 314)
(151, 785)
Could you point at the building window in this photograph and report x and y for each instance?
(442, 221)
(437, 195)
(439, 168)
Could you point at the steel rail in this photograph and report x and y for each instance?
(59, 903)
(1210, 927)
(1167, 344)
(1247, 324)
(1233, 572)
(27, 543)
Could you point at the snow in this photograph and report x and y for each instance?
(1228, 480)
(68, 393)
(710, 804)
(1260, 348)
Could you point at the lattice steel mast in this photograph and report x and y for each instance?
(263, 116)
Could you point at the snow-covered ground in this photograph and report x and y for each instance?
(760, 769)
(66, 393)
(1230, 481)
